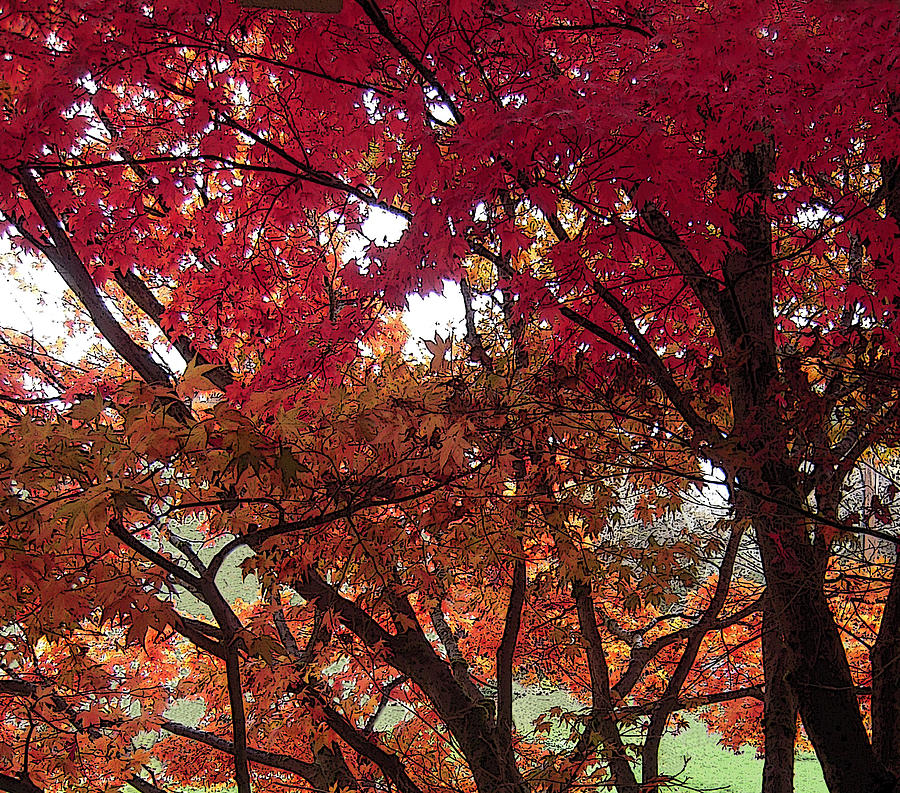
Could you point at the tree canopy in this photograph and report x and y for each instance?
(673, 226)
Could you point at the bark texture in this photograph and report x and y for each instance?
(779, 710)
(885, 658)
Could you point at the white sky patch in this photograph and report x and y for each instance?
(32, 301)
(717, 489)
(382, 227)
(434, 313)
(437, 312)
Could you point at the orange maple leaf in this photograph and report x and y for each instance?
(439, 348)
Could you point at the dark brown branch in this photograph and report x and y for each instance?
(556, 226)
(504, 271)
(386, 690)
(471, 722)
(473, 337)
(144, 786)
(206, 637)
(601, 333)
(642, 351)
(68, 264)
(641, 656)
(375, 14)
(188, 552)
(322, 178)
(133, 286)
(238, 719)
(458, 663)
(29, 401)
(747, 692)
(284, 634)
(277, 760)
(18, 687)
(312, 587)
(860, 437)
(179, 574)
(329, 768)
(650, 359)
(827, 478)
(645, 355)
(818, 517)
(506, 652)
(203, 587)
(14, 784)
(255, 539)
(602, 723)
(659, 717)
(23, 784)
(363, 744)
(703, 285)
(590, 27)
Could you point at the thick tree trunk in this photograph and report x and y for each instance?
(744, 315)
(238, 721)
(885, 658)
(819, 671)
(780, 709)
(885, 655)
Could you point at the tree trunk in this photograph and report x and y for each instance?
(885, 658)
(780, 709)
(744, 314)
(885, 655)
(603, 720)
(819, 671)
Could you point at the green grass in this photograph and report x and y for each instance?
(706, 765)
(712, 768)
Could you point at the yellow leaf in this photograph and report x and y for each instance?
(87, 409)
(195, 378)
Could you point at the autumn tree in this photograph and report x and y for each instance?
(405, 547)
(699, 203)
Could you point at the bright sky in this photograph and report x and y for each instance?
(434, 313)
(32, 301)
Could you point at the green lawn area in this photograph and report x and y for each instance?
(710, 767)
